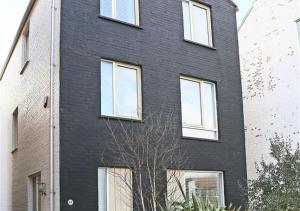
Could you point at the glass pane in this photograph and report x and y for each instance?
(190, 102)
(186, 20)
(120, 194)
(106, 8)
(208, 103)
(125, 10)
(127, 92)
(200, 27)
(107, 88)
(102, 190)
(207, 186)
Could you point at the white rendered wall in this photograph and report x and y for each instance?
(270, 67)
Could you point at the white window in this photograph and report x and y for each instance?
(25, 46)
(123, 10)
(34, 196)
(197, 22)
(120, 90)
(198, 105)
(115, 189)
(14, 142)
(205, 185)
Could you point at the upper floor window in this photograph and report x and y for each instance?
(197, 22)
(115, 189)
(199, 110)
(120, 90)
(14, 142)
(123, 10)
(25, 46)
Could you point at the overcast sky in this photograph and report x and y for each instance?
(11, 12)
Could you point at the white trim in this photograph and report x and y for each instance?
(115, 89)
(202, 126)
(208, 20)
(114, 12)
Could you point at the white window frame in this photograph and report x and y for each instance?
(220, 173)
(208, 19)
(25, 45)
(114, 12)
(116, 113)
(15, 125)
(107, 184)
(37, 179)
(202, 127)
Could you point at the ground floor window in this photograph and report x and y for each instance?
(205, 185)
(115, 189)
(34, 196)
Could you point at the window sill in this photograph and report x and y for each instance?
(201, 139)
(120, 22)
(14, 150)
(24, 67)
(119, 118)
(199, 44)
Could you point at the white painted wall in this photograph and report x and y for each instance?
(27, 91)
(270, 67)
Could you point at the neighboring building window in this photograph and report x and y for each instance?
(115, 189)
(15, 130)
(34, 196)
(198, 105)
(205, 185)
(123, 10)
(120, 90)
(197, 22)
(25, 46)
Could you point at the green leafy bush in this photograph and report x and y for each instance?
(195, 204)
(278, 184)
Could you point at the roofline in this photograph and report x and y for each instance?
(232, 3)
(246, 16)
(17, 36)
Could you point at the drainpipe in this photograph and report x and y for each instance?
(52, 127)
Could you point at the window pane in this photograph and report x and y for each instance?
(106, 8)
(207, 186)
(120, 194)
(125, 10)
(106, 88)
(186, 20)
(190, 102)
(208, 103)
(127, 92)
(102, 189)
(200, 26)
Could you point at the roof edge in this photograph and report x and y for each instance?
(17, 36)
(232, 3)
(246, 16)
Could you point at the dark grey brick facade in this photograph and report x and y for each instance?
(159, 48)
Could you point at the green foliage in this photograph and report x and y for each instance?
(278, 184)
(195, 204)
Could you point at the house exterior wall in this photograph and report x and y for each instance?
(270, 68)
(27, 92)
(159, 48)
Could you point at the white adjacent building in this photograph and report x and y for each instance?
(269, 39)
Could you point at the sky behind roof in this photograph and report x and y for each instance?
(12, 11)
